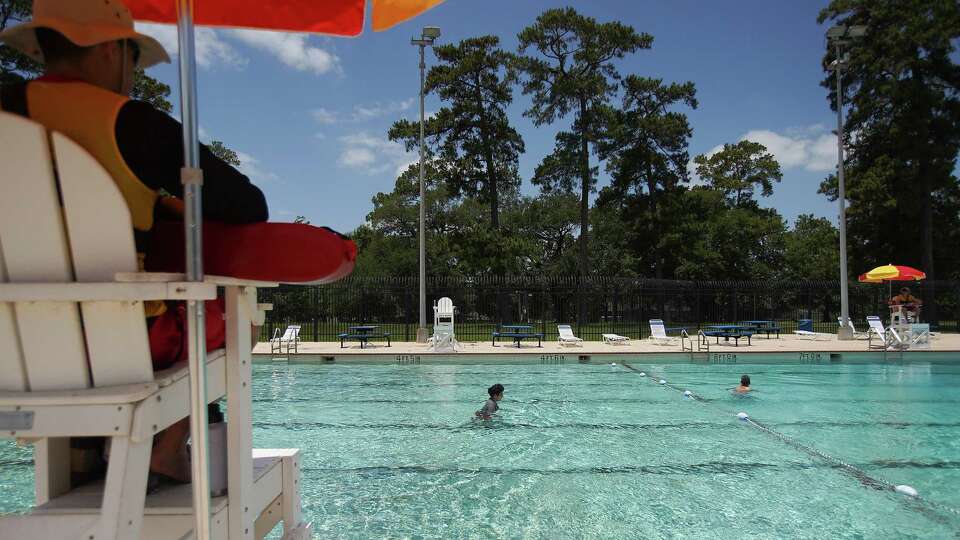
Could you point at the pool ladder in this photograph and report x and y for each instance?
(703, 343)
(684, 339)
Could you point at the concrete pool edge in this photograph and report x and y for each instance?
(715, 358)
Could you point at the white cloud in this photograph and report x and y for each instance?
(368, 112)
(293, 50)
(813, 151)
(251, 167)
(211, 49)
(812, 148)
(324, 116)
(372, 155)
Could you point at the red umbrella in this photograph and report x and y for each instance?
(892, 272)
(337, 17)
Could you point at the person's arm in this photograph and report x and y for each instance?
(151, 143)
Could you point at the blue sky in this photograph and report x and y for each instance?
(309, 114)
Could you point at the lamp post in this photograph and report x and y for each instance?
(839, 36)
(427, 37)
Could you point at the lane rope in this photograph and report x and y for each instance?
(851, 470)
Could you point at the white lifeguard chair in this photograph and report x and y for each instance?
(443, 337)
(75, 360)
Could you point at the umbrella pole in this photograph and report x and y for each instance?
(192, 178)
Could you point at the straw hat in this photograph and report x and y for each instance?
(85, 23)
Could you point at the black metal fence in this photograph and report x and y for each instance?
(610, 305)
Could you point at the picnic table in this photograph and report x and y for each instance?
(766, 327)
(727, 331)
(517, 332)
(363, 333)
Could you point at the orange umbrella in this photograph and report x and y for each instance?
(337, 17)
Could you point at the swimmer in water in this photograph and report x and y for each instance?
(490, 407)
(744, 385)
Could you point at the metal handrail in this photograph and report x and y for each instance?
(702, 341)
(684, 337)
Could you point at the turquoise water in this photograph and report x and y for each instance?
(581, 450)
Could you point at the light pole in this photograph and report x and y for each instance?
(839, 36)
(427, 37)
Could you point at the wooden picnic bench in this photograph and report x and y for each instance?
(518, 337)
(363, 338)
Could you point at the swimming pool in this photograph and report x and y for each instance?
(593, 450)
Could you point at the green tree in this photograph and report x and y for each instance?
(154, 92)
(15, 66)
(737, 169)
(572, 71)
(221, 151)
(473, 131)
(810, 249)
(646, 148)
(901, 83)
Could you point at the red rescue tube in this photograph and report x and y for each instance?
(281, 252)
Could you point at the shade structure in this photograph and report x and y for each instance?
(890, 272)
(334, 17)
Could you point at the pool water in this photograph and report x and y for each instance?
(593, 450)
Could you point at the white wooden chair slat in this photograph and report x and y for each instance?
(50, 334)
(13, 372)
(98, 224)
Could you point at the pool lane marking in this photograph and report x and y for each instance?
(859, 474)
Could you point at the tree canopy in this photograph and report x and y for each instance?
(571, 70)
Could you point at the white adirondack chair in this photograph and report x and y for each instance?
(75, 360)
(658, 333)
(289, 339)
(443, 338)
(565, 336)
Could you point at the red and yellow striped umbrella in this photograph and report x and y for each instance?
(336, 17)
(890, 272)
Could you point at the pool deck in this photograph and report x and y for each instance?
(786, 344)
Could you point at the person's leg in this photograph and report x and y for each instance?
(169, 456)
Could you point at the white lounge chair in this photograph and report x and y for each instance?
(75, 359)
(816, 336)
(853, 329)
(443, 337)
(888, 338)
(658, 333)
(614, 339)
(565, 336)
(289, 338)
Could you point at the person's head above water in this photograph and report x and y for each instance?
(744, 380)
(495, 391)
